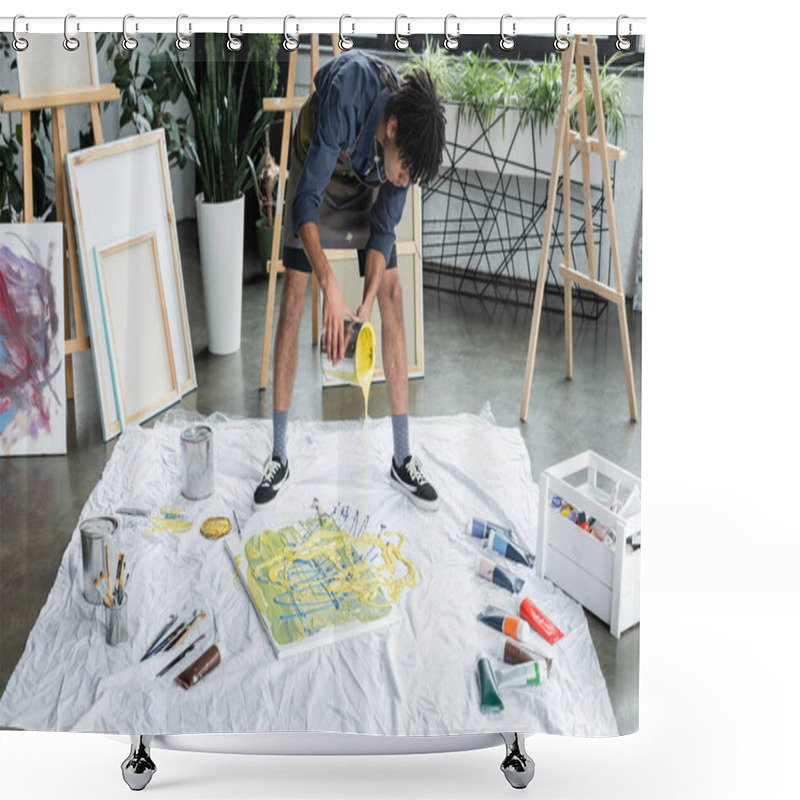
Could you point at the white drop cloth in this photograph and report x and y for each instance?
(415, 677)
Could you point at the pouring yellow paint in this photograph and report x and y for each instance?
(357, 368)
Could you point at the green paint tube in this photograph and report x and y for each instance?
(531, 673)
(490, 699)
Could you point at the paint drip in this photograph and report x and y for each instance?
(508, 624)
(494, 573)
(490, 697)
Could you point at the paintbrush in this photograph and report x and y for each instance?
(238, 526)
(171, 638)
(179, 657)
(183, 633)
(151, 646)
(108, 577)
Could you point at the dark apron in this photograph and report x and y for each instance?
(343, 216)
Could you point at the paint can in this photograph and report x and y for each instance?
(96, 534)
(358, 363)
(197, 462)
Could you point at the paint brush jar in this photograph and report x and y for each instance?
(97, 533)
(116, 616)
(197, 462)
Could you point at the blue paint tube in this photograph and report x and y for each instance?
(501, 544)
(490, 571)
(481, 528)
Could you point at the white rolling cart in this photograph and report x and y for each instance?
(601, 578)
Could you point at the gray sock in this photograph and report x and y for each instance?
(280, 421)
(400, 433)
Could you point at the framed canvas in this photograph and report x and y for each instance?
(136, 328)
(33, 394)
(47, 69)
(118, 190)
(344, 264)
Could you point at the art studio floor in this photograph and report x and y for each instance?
(475, 352)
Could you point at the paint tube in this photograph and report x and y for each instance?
(538, 621)
(512, 653)
(532, 673)
(508, 624)
(500, 544)
(494, 573)
(481, 528)
(490, 698)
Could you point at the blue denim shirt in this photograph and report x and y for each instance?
(351, 102)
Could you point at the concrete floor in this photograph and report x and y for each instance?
(475, 352)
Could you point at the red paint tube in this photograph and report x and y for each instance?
(538, 621)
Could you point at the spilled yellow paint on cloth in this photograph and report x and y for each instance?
(172, 520)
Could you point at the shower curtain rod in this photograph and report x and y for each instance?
(348, 25)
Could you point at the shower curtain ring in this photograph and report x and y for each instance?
(70, 43)
(507, 42)
(562, 42)
(451, 42)
(345, 42)
(181, 42)
(234, 44)
(400, 42)
(128, 42)
(290, 43)
(623, 44)
(19, 43)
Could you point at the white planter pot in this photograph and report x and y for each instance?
(220, 228)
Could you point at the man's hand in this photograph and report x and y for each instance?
(334, 307)
(364, 312)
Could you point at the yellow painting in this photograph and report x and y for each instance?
(324, 577)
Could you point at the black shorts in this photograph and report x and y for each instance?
(295, 258)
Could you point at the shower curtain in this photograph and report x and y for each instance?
(147, 586)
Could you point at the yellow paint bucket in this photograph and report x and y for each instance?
(358, 364)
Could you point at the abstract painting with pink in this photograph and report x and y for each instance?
(32, 379)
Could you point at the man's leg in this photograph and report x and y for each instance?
(406, 470)
(287, 338)
(284, 368)
(395, 366)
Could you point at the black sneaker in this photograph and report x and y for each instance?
(275, 476)
(408, 478)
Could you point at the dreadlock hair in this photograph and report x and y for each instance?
(420, 125)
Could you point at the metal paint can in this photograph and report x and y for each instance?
(96, 533)
(358, 363)
(197, 462)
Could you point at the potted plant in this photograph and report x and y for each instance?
(222, 151)
(489, 102)
(266, 187)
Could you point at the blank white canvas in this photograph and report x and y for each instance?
(33, 397)
(114, 197)
(46, 68)
(139, 340)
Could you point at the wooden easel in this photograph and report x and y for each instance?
(565, 139)
(59, 104)
(288, 104)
